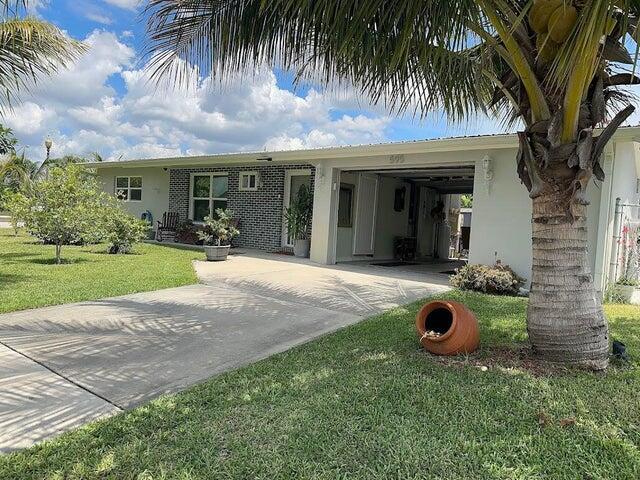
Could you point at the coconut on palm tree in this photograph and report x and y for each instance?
(556, 68)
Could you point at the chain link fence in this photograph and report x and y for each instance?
(625, 266)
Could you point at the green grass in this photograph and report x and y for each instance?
(29, 278)
(366, 403)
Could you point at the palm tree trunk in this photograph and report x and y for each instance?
(565, 319)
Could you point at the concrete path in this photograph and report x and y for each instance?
(63, 366)
(36, 403)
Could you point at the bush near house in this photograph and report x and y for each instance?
(498, 279)
(187, 233)
(122, 230)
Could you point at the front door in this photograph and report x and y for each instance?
(292, 182)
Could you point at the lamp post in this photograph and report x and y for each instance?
(47, 145)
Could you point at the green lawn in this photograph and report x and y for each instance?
(29, 278)
(366, 403)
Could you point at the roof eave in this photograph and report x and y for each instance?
(486, 142)
(311, 155)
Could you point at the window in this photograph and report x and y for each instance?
(208, 193)
(129, 189)
(345, 205)
(248, 181)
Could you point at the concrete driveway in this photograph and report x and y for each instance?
(63, 366)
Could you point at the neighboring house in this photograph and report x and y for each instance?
(366, 196)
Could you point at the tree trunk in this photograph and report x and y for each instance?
(58, 253)
(565, 319)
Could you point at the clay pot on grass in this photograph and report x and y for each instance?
(447, 328)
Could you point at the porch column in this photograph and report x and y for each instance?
(325, 211)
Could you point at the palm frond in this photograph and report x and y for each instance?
(30, 48)
(406, 54)
(423, 56)
(17, 171)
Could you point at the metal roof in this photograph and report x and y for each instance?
(442, 144)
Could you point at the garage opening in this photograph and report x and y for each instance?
(406, 217)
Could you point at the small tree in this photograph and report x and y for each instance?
(65, 207)
(218, 229)
(121, 229)
(298, 214)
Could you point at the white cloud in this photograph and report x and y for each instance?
(126, 4)
(29, 119)
(33, 6)
(99, 18)
(83, 113)
(86, 81)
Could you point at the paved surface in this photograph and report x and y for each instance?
(63, 366)
(5, 221)
(36, 403)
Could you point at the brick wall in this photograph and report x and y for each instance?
(260, 212)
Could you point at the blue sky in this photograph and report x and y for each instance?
(104, 103)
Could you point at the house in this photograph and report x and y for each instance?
(367, 197)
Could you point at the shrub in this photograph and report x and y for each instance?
(628, 281)
(122, 230)
(186, 232)
(498, 280)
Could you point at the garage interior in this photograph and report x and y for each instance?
(399, 217)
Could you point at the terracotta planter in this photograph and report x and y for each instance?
(447, 328)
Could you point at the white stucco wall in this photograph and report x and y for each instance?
(155, 189)
(626, 172)
(501, 221)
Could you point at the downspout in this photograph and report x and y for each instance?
(613, 267)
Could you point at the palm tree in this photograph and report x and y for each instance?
(17, 172)
(29, 49)
(554, 67)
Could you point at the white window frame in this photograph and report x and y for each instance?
(249, 188)
(128, 188)
(210, 198)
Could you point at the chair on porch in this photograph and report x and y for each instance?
(167, 226)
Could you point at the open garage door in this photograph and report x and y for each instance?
(404, 214)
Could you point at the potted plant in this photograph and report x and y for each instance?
(218, 229)
(628, 290)
(298, 218)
